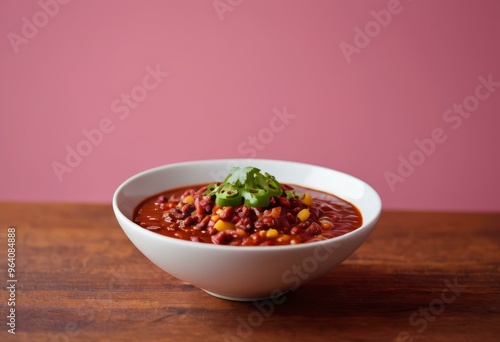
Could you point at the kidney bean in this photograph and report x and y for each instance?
(222, 238)
(296, 230)
(272, 201)
(314, 213)
(256, 211)
(199, 207)
(211, 230)
(243, 211)
(304, 224)
(176, 213)
(258, 224)
(244, 223)
(208, 208)
(267, 243)
(203, 205)
(335, 218)
(284, 201)
(314, 229)
(226, 213)
(235, 242)
(256, 239)
(247, 242)
(295, 203)
(187, 209)
(302, 237)
(268, 222)
(191, 220)
(203, 223)
(291, 218)
(282, 223)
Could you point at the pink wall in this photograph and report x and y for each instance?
(360, 86)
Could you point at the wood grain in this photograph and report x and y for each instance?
(80, 279)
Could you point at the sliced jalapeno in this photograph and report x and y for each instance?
(211, 189)
(246, 185)
(273, 186)
(228, 196)
(256, 197)
(290, 194)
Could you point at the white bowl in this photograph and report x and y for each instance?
(245, 272)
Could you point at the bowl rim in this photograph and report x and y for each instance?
(251, 249)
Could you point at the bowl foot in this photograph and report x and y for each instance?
(239, 299)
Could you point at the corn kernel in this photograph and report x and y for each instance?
(307, 200)
(188, 199)
(271, 233)
(215, 217)
(304, 214)
(223, 225)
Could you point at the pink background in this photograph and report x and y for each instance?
(356, 113)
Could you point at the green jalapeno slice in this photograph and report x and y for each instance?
(272, 185)
(246, 185)
(228, 196)
(211, 189)
(290, 194)
(256, 197)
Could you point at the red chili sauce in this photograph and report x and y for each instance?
(185, 213)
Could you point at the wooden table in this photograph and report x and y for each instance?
(420, 276)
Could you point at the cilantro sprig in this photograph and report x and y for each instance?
(245, 185)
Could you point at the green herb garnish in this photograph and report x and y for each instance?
(245, 186)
